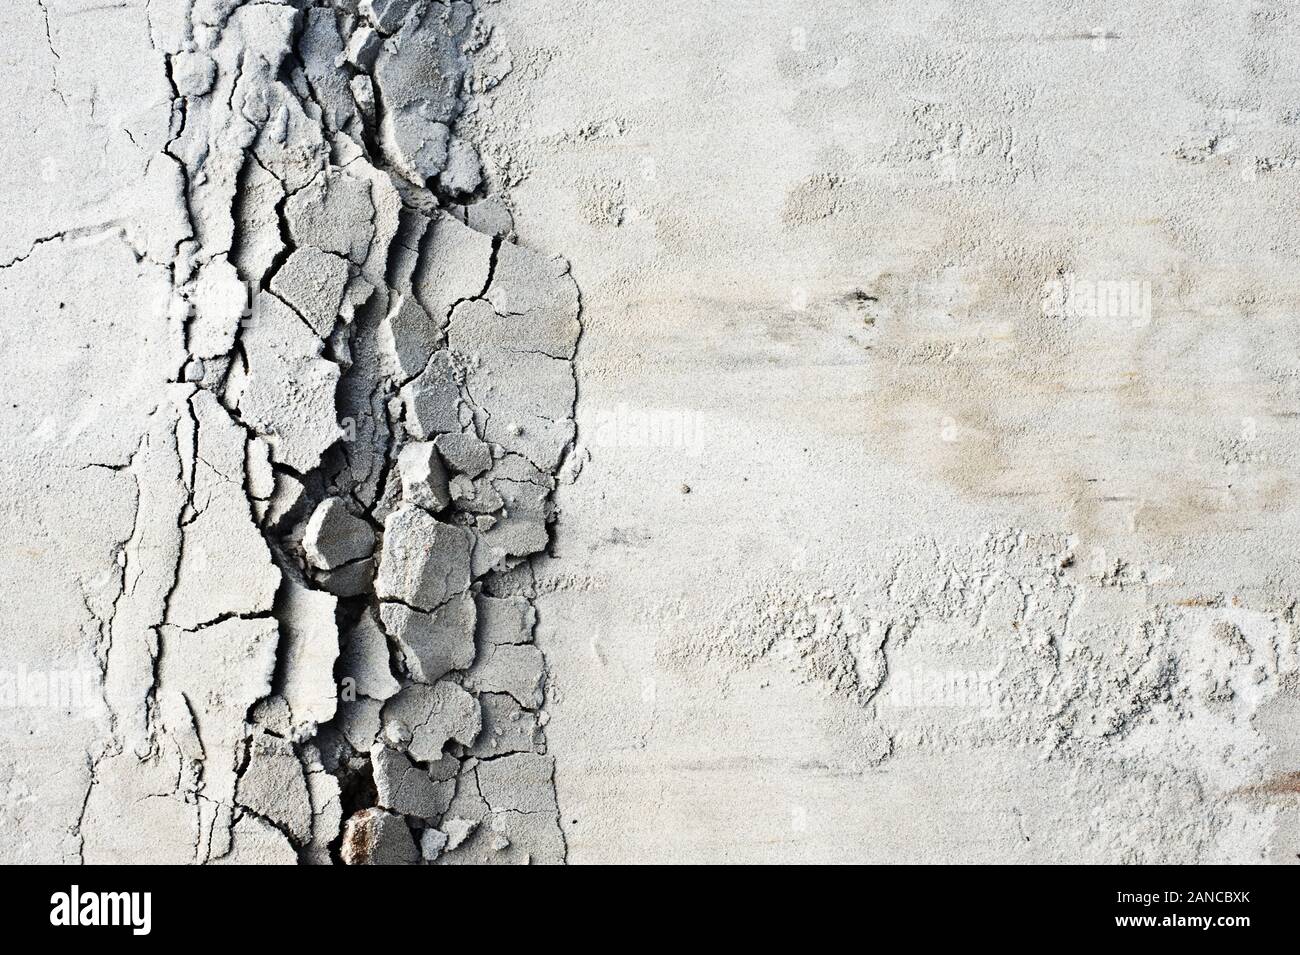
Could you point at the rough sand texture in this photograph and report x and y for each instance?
(604, 431)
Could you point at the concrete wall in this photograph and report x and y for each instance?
(971, 330)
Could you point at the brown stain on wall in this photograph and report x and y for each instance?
(1284, 784)
(1117, 429)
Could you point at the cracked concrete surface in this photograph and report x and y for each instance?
(521, 432)
(283, 412)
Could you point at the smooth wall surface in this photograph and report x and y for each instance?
(938, 386)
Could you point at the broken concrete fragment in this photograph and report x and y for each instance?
(223, 670)
(424, 561)
(522, 530)
(225, 567)
(320, 48)
(464, 453)
(375, 837)
(309, 645)
(518, 783)
(490, 216)
(505, 619)
(255, 841)
(335, 214)
(351, 580)
(416, 144)
(424, 480)
(505, 836)
(509, 668)
(287, 496)
(432, 644)
(507, 727)
(274, 787)
(486, 558)
(272, 714)
(435, 716)
(256, 221)
(311, 282)
(327, 813)
(476, 497)
(455, 264)
(404, 787)
(463, 173)
(261, 476)
(288, 396)
(359, 721)
(362, 48)
(334, 536)
(408, 336)
(363, 94)
(536, 303)
(364, 660)
(193, 72)
(422, 67)
(419, 73)
(359, 292)
(517, 345)
(432, 842)
(523, 392)
(432, 399)
(457, 831)
(220, 300)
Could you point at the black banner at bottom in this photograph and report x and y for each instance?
(142, 905)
